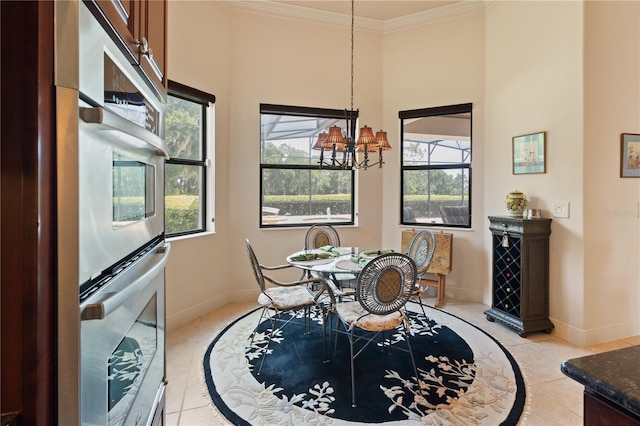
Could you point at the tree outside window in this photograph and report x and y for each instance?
(436, 166)
(186, 122)
(295, 191)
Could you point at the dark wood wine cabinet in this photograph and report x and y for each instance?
(520, 284)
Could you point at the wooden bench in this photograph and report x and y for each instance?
(440, 264)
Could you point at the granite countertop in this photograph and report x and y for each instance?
(615, 375)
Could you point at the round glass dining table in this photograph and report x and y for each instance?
(337, 261)
(337, 265)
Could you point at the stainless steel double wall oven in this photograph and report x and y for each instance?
(121, 249)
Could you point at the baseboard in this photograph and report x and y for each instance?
(181, 318)
(175, 320)
(466, 295)
(562, 330)
(583, 337)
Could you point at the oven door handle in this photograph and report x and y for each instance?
(112, 301)
(136, 135)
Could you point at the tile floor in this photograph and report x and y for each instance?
(552, 398)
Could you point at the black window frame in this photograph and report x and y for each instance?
(275, 109)
(205, 100)
(431, 112)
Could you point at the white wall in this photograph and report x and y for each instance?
(199, 49)
(441, 63)
(246, 59)
(612, 107)
(565, 67)
(534, 83)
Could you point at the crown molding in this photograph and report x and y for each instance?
(413, 20)
(301, 13)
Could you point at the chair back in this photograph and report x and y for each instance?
(386, 283)
(408, 215)
(421, 250)
(320, 235)
(455, 215)
(257, 270)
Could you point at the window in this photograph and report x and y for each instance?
(189, 136)
(294, 189)
(436, 166)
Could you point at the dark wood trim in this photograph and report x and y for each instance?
(190, 93)
(27, 222)
(440, 110)
(307, 111)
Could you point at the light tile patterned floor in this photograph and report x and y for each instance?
(552, 398)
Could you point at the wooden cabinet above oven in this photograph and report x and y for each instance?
(153, 29)
(139, 27)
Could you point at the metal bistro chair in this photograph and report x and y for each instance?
(285, 297)
(421, 250)
(321, 235)
(384, 286)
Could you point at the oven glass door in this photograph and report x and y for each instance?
(121, 187)
(134, 196)
(122, 361)
(129, 362)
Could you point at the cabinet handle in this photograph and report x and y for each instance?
(143, 45)
(505, 239)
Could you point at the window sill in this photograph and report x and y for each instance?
(190, 236)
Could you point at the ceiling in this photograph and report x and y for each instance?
(373, 9)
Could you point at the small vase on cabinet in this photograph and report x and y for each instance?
(516, 203)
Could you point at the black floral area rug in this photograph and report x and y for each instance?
(467, 377)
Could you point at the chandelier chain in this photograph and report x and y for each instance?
(353, 14)
(336, 141)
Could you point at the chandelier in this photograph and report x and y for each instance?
(341, 150)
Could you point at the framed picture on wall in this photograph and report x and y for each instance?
(529, 154)
(629, 155)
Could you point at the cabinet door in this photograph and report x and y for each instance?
(598, 411)
(121, 15)
(507, 275)
(153, 29)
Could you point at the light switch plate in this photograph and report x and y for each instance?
(561, 210)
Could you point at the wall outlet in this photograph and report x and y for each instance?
(561, 210)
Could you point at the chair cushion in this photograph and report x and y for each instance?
(283, 298)
(356, 316)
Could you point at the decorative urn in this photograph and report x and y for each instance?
(516, 203)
